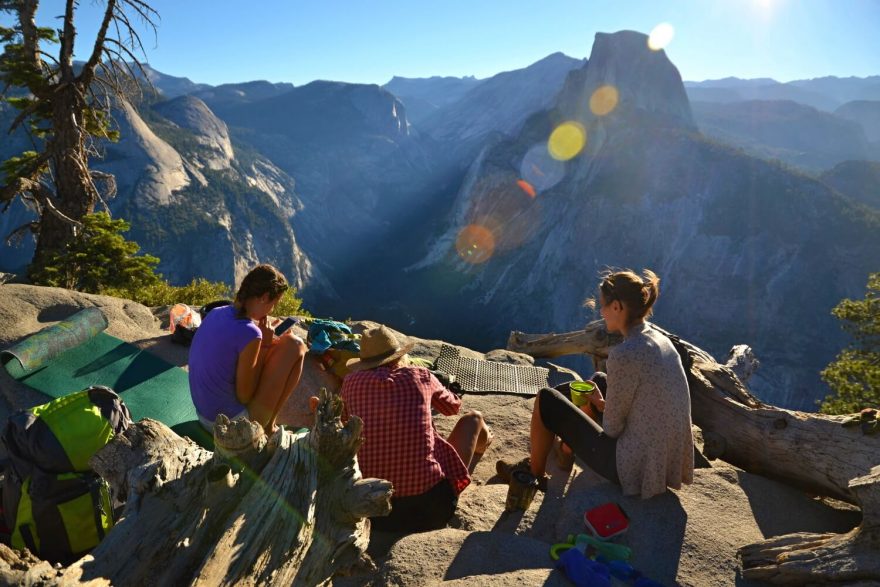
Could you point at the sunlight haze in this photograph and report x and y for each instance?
(221, 42)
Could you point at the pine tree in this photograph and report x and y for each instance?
(99, 258)
(66, 110)
(855, 374)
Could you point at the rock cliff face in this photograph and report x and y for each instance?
(190, 113)
(423, 96)
(748, 251)
(203, 211)
(644, 80)
(147, 169)
(501, 103)
(356, 164)
(223, 215)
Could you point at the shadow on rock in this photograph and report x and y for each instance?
(488, 553)
(780, 509)
(657, 525)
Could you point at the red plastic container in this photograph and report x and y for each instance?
(606, 521)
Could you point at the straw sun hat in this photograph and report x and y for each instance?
(379, 346)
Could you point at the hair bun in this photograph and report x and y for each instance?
(650, 287)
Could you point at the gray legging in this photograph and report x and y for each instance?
(586, 438)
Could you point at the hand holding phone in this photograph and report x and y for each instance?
(285, 326)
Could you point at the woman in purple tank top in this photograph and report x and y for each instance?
(237, 365)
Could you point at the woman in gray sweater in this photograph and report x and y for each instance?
(646, 444)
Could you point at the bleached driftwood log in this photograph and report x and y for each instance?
(286, 510)
(811, 451)
(808, 559)
(593, 340)
(742, 361)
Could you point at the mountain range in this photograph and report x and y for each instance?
(461, 209)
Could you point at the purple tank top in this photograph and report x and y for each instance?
(213, 359)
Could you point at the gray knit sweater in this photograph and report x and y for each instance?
(648, 410)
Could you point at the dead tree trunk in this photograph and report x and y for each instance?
(815, 452)
(282, 511)
(738, 427)
(808, 559)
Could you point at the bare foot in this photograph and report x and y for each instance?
(484, 441)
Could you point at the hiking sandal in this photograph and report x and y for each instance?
(505, 469)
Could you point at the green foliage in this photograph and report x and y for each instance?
(98, 258)
(197, 293)
(855, 374)
(20, 166)
(98, 124)
(290, 305)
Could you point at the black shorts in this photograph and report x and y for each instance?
(585, 437)
(419, 513)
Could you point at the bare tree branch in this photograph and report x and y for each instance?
(23, 115)
(88, 72)
(50, 57)
(147, 13)
(109, 182)
(43, 197)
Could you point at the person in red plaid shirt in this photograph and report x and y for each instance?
(394, 400)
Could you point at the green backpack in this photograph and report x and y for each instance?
(54, 504)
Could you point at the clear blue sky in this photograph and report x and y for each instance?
(369, 41)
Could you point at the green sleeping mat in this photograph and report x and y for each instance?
(75, 353)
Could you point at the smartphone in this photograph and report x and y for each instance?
(285, 326)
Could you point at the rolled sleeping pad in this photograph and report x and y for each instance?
(37, 349)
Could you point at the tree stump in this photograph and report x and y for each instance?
(285, 510)
(814, 452)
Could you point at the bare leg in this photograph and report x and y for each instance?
(469, 435)
(281, 372)
(292, 379)
(541, 441)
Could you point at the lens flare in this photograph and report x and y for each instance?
(660, 36)
(502, 205)
(526, 187)
(604, 100)
(566, 141)
(475, 244)
(541, 170)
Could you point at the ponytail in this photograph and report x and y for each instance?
(638, 294)
(650, 290)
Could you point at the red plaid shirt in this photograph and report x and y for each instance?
(400, 442)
